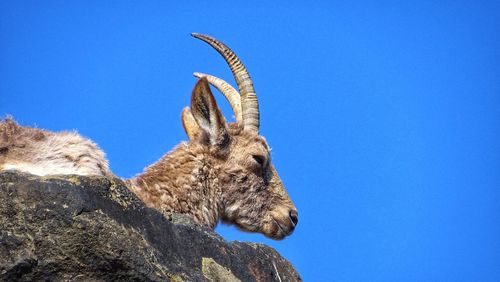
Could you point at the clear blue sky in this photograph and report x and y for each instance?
(383, 117)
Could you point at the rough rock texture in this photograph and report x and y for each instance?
(76, 228)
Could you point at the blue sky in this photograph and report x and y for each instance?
(383, 117)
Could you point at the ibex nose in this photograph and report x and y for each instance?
(294, 217)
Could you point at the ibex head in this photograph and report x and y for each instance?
(253, 196)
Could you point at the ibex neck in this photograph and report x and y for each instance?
(182, 181)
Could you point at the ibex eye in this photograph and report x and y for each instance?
(259, 159)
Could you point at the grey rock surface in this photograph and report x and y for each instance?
(75, 228)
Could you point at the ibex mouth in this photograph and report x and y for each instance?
(282, 231)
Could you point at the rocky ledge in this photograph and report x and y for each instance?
(74, 228)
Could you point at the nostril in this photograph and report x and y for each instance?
(294, 217)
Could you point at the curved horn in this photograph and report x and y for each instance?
(249, 103)
(190, 126)
(231, 94)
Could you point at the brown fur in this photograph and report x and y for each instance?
(224, 173)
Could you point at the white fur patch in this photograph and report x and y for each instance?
(43, 170)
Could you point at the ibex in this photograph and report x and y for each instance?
(223, 173)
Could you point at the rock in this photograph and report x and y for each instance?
(76, 228)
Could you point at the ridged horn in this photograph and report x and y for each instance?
(249, 103)
(190, 126)
(231, 94)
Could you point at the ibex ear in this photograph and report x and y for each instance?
(189, 124)
(207, 115)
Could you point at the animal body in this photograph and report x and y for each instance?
(223, 173)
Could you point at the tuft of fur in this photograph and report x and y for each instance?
(42, 152)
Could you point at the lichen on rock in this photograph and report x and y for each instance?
(216, 272)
